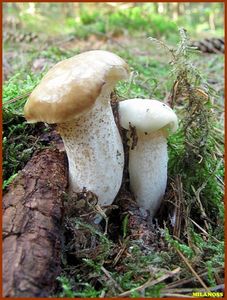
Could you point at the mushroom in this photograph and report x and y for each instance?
(152, 121)
(75, 94)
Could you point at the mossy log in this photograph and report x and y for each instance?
(32, 216)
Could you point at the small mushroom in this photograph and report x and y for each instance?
(75, 94)
(152, 121)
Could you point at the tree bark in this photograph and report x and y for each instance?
(32, 215)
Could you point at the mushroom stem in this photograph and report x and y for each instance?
(148, 169)
(94, 150)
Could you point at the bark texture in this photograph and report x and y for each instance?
(32, 215)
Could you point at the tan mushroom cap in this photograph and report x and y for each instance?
(72, 86)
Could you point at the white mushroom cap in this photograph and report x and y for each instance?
(72, 86)
(147, 115)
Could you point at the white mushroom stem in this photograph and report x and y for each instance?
(94, 150)
(148, 169)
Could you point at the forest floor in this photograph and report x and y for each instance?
(182, 251)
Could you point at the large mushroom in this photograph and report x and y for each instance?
(75, 94)
(152, 121)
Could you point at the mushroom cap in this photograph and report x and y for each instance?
(147, 115)
(72, 86)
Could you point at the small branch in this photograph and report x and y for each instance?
(150, 283)
(118, 256)
(16, 98)
(197, 195)
(192, 270)
(204, 231)
(179, 199)
(111, 278)
(181, 282)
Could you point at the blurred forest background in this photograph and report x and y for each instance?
(201, 19)
(82, 26)
(38, 35)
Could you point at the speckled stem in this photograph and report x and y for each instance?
(95, 151)
(148, 170)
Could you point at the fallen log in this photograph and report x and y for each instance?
(32, 216)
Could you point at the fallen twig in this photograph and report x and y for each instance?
(188, 280)
(118, 256)
(179, 200)
(150, 283)
(16, 98)
(111, 278)
(192, 270)
(204, 231)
